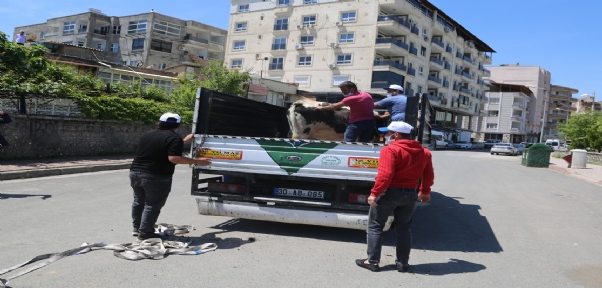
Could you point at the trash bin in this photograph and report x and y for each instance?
(538, 155)
(568, 159)
(579, 159)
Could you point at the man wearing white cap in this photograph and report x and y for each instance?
(20, 39)
(151, 172)
(401, 165)
(395, 103)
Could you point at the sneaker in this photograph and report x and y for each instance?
(371, 267)
(135, 232)
(402, 268)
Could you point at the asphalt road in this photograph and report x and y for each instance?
(492, 223)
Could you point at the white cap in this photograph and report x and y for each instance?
(395, 87)
(397, 126)
(170, 118)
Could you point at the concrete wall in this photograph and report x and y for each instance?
(45, 137)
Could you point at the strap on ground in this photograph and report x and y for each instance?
(154, 248)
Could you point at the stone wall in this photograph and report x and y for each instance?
(595, 158)
(34, 136)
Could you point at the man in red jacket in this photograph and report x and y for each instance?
(401, 165)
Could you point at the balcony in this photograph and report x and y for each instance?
(82, 30)
(390, 63)
(412, 71)
(196, 39)
(445, 84)
(447, 66)
(480, 82)
(459, 55)
(433, 98)
(391, 46)
(379, 85)
(438, 42)
(467, 59)
(99, 32)
(414, 50)
(518, 105)
(415, 30)
(487, 72)
(409, 92)
(393, 25)
(275, 66)
(280, 46)
(436, 60)
(435, 79)
(448, 49)
(465, 90)
(458, 71)
(68, 32)
(465, 74)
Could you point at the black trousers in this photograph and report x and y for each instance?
(150, 194)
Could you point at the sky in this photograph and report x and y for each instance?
(561, 36)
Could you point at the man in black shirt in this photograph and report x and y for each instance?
(151, 172)
(4, 119)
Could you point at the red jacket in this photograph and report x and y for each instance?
(402, 163)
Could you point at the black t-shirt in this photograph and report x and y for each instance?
(153, 151)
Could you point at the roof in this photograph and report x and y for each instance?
(71, 45)
(506, 87)
(460, 30)
(334, 97)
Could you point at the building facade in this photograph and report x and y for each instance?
(560, 108)
(320, 43)
(151, 40)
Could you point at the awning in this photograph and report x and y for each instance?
(258, 89)
(143, 74)
(76, 63)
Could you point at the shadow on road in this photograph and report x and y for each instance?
(222, 243)
(6, 196)
(453, 266)
(448, 225)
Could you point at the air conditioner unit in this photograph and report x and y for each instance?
(334, 45)
(332, 66)
(311, 26)
(181, 48)
(299, 46)
(299, 26)
(339, 23)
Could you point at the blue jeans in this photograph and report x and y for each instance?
(360, 129)
(150, 195)
(401, 202)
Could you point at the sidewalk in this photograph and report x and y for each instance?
(20, 169)
(592, 174)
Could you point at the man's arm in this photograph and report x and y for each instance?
(386, 170)
(428, 179)
(334, 106)
(186, 160)
(4, 118)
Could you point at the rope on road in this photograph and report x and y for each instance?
(153, 248)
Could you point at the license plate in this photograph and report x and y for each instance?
(298, 193)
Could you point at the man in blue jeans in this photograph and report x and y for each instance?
(401, 165)
(361, 112)
(151, 172)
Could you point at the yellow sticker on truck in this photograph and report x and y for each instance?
(219, 154)
(363, 162)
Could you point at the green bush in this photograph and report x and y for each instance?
(118, 108)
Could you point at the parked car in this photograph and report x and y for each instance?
(504, 148)
(489, 143)
(450, 144)
(462, 145)
(519, 148)
(478, 145)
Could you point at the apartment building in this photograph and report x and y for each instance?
(151, 40)
(587, 103)
(507, 114)
(560, 108)
(537, 80)
(320, 43)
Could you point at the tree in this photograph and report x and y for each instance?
(583, 130)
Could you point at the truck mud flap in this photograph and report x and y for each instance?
(246, 210)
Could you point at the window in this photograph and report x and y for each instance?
(117, 29)
(166, 28)
(346, 38)
(423, 51)
(160, 45)
(138, 26)
(114, 47)
(311, 19)
(239, 45)
(421, 72)
(284, 2)
(302, 80)
(80, 43)
(161, 66)
(69, 27)
(419, 89)
(307, 40)
(279, 44)
(138, 44)
(491, 125)
(348, 17)
(243, 8)
(133, 63)
(236, 63)
(276, 78)
(304, 60)
(338, 79)
(310, 1)
(276, 64)
(99, 46)
(242, 26)
(344, 59)
(281, 24)
(494, 100)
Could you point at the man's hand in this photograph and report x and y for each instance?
(372, 201)
(202, 162)
(188, 138)
(1, 112)
(424, 197)
(319, 108)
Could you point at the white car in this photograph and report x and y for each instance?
(463, 145)
(504, 148)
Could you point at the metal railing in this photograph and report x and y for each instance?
(414, 51)
(448, 49)
(412, 71)
(189, 37)
(447, 66)
(459, 55)
(394, 18)
(446, 84)
(415, 30)
(275, 66)
(82, 30)
(437, 60)
(465, 90)
(393, 41)
(458, 71)
(466, 75)
(438, 42)
(435, 79)
(391, 63)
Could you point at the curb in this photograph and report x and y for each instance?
(62, 171)
(565, 171)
